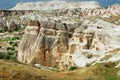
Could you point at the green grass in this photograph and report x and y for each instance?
(108, 73)
(10, 70)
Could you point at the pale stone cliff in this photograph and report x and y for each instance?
(63, 36)
(64, 45)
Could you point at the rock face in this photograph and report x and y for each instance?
(44, 42)
(63, 45)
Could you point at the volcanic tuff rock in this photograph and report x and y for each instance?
(64, 44)
(110, 11)
(3, 26)
(55, 5)
(9, 25)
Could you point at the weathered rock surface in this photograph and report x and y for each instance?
(64, 45)
(11, 25)
(110, 11)
(3, 26)
(55, 5)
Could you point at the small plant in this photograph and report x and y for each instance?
(1, 55)
(16, 38)
(87, 64)
(10, 43)
(15, 45)
(73, 68)
(1, 31)
(109, 64)
(10, 31)
(10, 48)
(89, 56)
(8, 55)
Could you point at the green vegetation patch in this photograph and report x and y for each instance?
(11, 38)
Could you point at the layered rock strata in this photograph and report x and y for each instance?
(57, 44)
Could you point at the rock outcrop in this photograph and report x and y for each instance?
(63, 45)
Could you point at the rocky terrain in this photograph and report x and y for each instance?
(73, 37)
(55, 5)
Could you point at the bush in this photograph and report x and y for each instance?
(15, 45)
(10, 48)
(8, 55)
(16, 38)
(1, 55)
(1, 31)
(109, 64)
(87, 64)
(10, 43)
(10, 31)
(89, 56)
(73, 68)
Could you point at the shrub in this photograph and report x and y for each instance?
(10, 31)
(8, 55)
(1, 31)
(1, 55)
(73, 68)
(16, 38)
(87, 64)
(10, 43)
(15, 45)
(89, 56)
(10, 48)
(109, 64)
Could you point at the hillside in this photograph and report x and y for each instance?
(10, 70)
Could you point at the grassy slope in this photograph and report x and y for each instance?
(10, 70)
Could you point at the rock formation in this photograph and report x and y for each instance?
(3, 26)
(11, 25)
(55, 5)
(63, 45)
(63, 36)
(110, 11)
